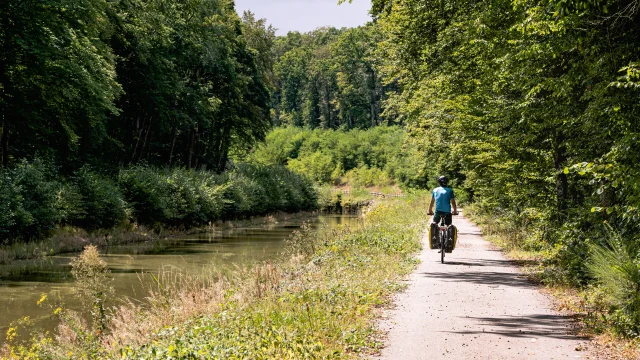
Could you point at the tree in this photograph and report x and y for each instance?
(57, 78)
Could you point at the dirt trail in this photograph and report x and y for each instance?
(475, 306)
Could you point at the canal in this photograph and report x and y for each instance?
(134, 267)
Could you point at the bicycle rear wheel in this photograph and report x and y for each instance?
(442, 246)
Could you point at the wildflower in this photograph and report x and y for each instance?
(43, 298)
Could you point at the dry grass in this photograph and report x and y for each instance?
(320, 302)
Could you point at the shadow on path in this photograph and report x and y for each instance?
(487, 262)
(484, 278)
(528, 326)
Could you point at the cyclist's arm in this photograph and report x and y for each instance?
(433, 201)
(455, 207)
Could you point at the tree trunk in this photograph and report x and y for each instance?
(191, 145)
(373, 114)
(562, 183)
(223, 154)
(144, 143)
(327, 107)
(138, 136)
(4, 123)
(372, 97)
(173, 146)
(4, 144)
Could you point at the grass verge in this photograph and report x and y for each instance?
(321, 302)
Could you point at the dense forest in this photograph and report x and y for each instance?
(531, 107)
(116, 83)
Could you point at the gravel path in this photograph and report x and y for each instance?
(475, 306)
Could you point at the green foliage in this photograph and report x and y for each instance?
(31, 201)
(378, 156)
(364, 176)
(522, 107)
(614, 265)
(329, 79)
(33, 204)
(117, 82)
(259, 189)
(57, 77)
(176, 197)
(101, 203)
(182, 197)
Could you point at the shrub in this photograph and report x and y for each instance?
(318, 166)
(276, 189)
(326, 155)
(177, 197)
(615, 266)
(365, 176)
(147, 194)
(102, 202)
(31, 202)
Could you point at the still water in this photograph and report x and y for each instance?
(134, 266)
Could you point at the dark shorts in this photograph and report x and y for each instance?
(440, 214)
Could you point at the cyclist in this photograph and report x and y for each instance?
(443, 198)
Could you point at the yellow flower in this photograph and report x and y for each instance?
(11, 333)
(42, 299)
(57, 311)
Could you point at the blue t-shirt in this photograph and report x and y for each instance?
(443, 196)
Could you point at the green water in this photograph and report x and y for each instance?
(134, 266)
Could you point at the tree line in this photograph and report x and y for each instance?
(329, 78)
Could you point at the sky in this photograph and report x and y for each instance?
(307, 15)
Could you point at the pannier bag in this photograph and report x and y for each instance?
(453, 236)
(433, 237)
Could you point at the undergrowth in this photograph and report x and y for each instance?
(319, 302)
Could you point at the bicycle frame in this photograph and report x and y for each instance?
(443, 235)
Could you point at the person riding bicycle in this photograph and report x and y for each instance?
(444, 198)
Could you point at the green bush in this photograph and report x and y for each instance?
(177, 197)
(278, 189)
(614, 265)
(31, 202)
(326, 155)
(101, 201)
(365, 176)
(318, 166)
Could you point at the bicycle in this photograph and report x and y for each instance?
(443, 237)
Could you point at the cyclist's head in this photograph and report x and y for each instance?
(443, 181)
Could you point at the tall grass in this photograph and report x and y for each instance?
(319, 302)
(615, 266)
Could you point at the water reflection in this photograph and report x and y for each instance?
(22, 283)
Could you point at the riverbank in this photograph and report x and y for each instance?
(320, 301)
(72, 240)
